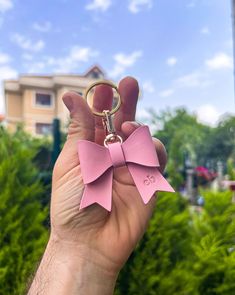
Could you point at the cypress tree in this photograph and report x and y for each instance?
(22, 233)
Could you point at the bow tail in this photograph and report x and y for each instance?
(148, 180)
(99, 191)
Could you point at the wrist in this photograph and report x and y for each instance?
(87, 266)
(72, 269)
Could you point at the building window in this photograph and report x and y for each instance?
(43, 128)
(43, 99)
(95, 75)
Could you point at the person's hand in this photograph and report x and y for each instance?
(99, 240)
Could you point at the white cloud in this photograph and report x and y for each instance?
(124, 61)
(117, 70)
(197, 79)
(148, 87)
(171, 61)
(26, 43)
(189, 80)
(7, 72)
(135, 6)
(27, 56)
(42, 27)
(142, 114)
(35, 67)
(127, 60)
(101, 5)
(191, 4)
(64, 64)
(194, 79)
(4, 58)
(205, 30)
(166, 92)
(220, 61)
(5, 5)
(82, 53)
(208, 114)
(71, 61)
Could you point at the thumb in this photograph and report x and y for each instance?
(82, 120)
(81, 126)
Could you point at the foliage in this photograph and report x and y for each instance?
(221, 144)
(187, 139)
(184, 251)
(22, 218)
(231, 168)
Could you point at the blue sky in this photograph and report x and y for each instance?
(180, 51)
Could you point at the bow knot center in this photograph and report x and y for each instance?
(116, 154)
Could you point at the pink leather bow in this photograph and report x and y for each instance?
(137, 153)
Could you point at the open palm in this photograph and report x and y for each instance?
(108, 236)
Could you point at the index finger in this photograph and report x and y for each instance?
(129, 91)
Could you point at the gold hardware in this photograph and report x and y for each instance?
(112, 85)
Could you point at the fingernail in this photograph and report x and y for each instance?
(133, 123)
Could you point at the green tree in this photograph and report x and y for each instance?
(23, 234)
(221, 142)
(183, 137)
(231, 168)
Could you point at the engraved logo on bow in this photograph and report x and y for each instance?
(149, 179)
(137, 153)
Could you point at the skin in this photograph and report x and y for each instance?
(88, 247)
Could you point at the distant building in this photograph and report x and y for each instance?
(34, 101)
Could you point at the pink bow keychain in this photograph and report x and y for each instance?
(137, 153)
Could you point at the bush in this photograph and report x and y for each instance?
(184, 251)
(22, 233)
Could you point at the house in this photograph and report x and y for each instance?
(35, 100)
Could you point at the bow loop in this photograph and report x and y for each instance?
(94, 160)
(139, 148)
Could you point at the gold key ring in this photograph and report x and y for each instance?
(112, 85)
